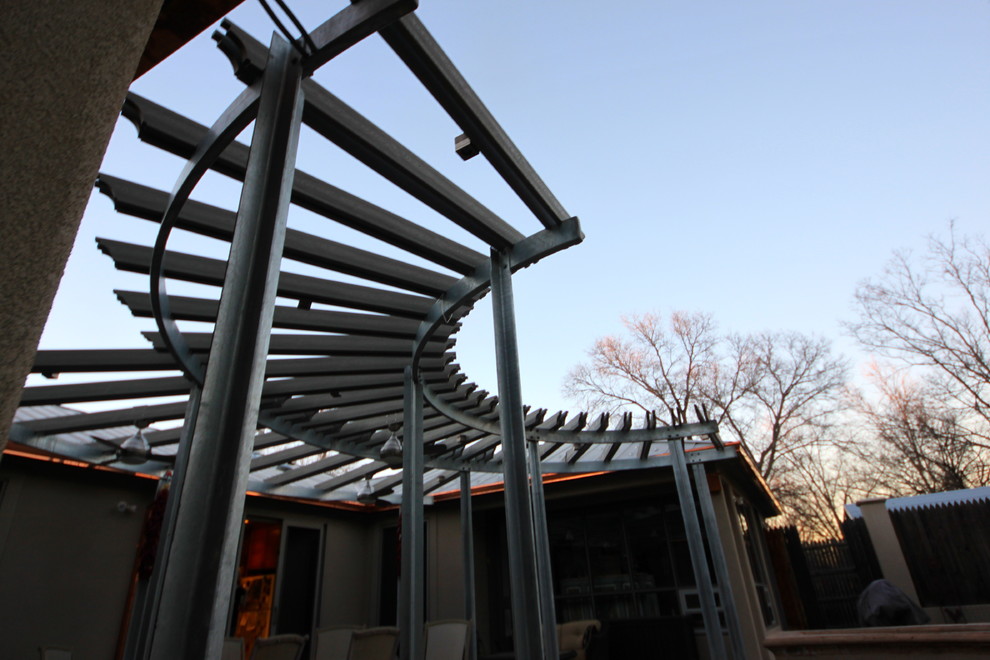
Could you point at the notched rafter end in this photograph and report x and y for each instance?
(465, 148)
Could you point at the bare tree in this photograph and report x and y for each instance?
(933, 313)
(816, 482)
(655, 366)
(771, 391)
(792, 390)
(918, 442)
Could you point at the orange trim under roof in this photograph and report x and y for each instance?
(499, 485)
(35, 454)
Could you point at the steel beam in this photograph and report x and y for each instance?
(579, 437)
(411, 584)
(149, 204)
(204, 270)
(348, 129)
(696, 545)
(186, 308)
(198, 578)
(137, 646)
(57, 361)
(413, 43)
(460, 297)
(523, 571)
(351, 25)
(467, 546)
(719, 562)
(321, 344)
(541, 533)
(176, 134)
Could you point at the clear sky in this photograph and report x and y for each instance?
(751, 159)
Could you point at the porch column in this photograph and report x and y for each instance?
(523, 574)
(467, 544)
(548, 613)
(198, 577)
(893, 565)
(719, 562)
(696, 545)
(411, 584)
(148, 598)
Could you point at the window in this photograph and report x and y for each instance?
(620, 562)
(750, 525)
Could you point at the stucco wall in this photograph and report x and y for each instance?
(445, 565)
(64, 72)
(66, 558)
(350, 569)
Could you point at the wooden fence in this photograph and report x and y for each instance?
(947, 549)
(820, 581)
(836, 581)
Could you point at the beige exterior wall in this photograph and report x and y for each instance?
(445, 564)
(351, 561)
(66, 558)
(741, 574)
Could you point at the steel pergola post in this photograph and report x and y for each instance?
(541, 533)
(719, 561)
(146, 608)
(411, 584)
(696, 544)
(523, 572)
(199, 573)
(467, 540)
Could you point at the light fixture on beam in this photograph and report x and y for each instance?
(366, 494)
(391, 451)
(136, 449)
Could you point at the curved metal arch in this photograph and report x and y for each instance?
(468, 290)
(234, 119)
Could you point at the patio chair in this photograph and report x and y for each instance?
(334, 642)
(575, 636)
(279, 647)
(447, 640)
(373, 644)
(233, 649)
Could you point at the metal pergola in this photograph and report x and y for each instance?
(371, 364)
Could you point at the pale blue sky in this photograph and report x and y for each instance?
(750, 159)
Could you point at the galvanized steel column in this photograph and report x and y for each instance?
(411, 583)
(524, 592)
(197, 582)
(696, 545)
(548, 613)
(467, 545)
(145, 608)
(719, 562)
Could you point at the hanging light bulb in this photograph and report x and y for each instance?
(366, 494)
(135, 450)
(391, 451)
